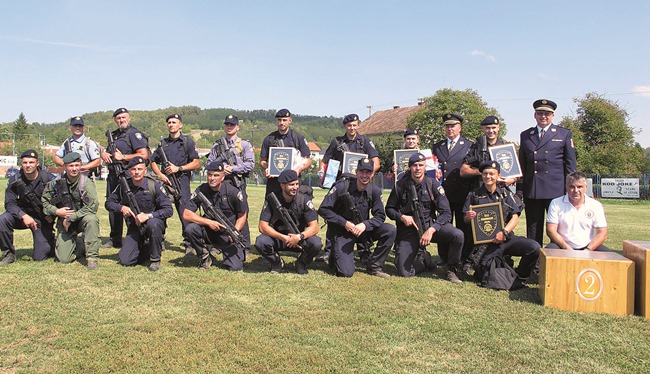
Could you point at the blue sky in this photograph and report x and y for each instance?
(64, 58)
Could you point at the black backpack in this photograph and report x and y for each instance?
(499, 275)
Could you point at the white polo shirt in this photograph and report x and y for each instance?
(576, 226)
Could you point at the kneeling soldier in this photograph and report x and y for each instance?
(225, 214)
(413, 204)
(73, 198)
(146, 206)
(347, 209)
(288, 222)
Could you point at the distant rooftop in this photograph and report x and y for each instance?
(387, 121)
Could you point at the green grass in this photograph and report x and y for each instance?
(62, 318)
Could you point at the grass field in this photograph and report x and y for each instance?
(62, 318)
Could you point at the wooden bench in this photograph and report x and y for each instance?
(586, 281)
(639, 252)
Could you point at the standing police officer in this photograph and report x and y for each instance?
(547, 156)
(450, 153)
(129, 143)
(180, 151)
(24, 210)
(73, 198)
(283, 137)
(203, 230)
(83, 145)
(274, 231)
(411, 255)
(363, 197)
(155, 208)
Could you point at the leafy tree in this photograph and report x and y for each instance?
(468, 103)
(385, 144)
(603, 139)
(646, 163)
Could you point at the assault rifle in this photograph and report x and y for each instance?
(117, 166)
(173, 178)
(225, 156)
(214, 213)
(356, 214)
(65, 199)
(482, 154)
(29, 198)
(285, 216)
(132, 202)
(418, 213)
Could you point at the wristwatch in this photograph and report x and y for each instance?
(150, 215)
(180, 168)
(302, 236)
(506, 233)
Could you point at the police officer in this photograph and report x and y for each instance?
(182, 158)
(351, 141)
(450, 153)
(411, 141)
(547, 156)
(155, 208)
(244, 158)
(201, 230)
(274, 231)
(505, 242)
(73, 198)
(411, 256)
(24, 210)
(364, 197)
(83, 145)
(129, 143)
(283, 137)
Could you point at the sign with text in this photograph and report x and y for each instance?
(8, 160)
(620, 187)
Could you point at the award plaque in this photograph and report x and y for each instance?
(350, 162)
(280, 159)
(506, 156)
(487, 223)
(401, 157)
(331, 173)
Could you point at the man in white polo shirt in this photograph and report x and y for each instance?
(575, 221)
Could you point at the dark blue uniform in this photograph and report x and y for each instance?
(516, 245)
(161, 208)
(545, 163)
(456, 187)
(16, 206)
(128, 141)
(230, 201)
(340, 144)
(336, 214)
(302, 210)
(179, 151)
(290, 139)
(437, 214)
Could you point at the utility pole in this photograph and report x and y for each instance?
(369, 110)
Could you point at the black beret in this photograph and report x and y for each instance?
(489, 165)
(416, 158)
(71, 157)
(490, 120)
(77, 121)
(283, 113)
(119, 111)
(451, 119)
(231, 120)
(175, 115)
(288, 176)
(350, 118)
(135, 161)
(411, 132)
(214, 166)
(29, 153)
(545, 105)
(365, 164)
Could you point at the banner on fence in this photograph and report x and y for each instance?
(620, 187)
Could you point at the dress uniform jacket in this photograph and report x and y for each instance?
(455, 187)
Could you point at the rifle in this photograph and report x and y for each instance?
(482, 154)
(214, 213)
(225, 156)
(30, 199)
(356, 214)
(285, 216)
(418, 212)
(132, 202)
(65, 199)
(117, 166)
(176, 190)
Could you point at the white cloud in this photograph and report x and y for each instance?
(47, 42)
(642, 90)
(483, 54)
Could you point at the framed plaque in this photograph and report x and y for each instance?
(487, 223)
(401, 157)
(280, 159)
(506, 156)
(350, 161)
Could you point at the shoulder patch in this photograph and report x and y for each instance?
(163, 190)
(310, 204)
(306, 142)
(240, 196)
(138, 135)
(441, 190)
(371, 143)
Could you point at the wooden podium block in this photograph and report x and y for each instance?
(586, 281)
(639, 252)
